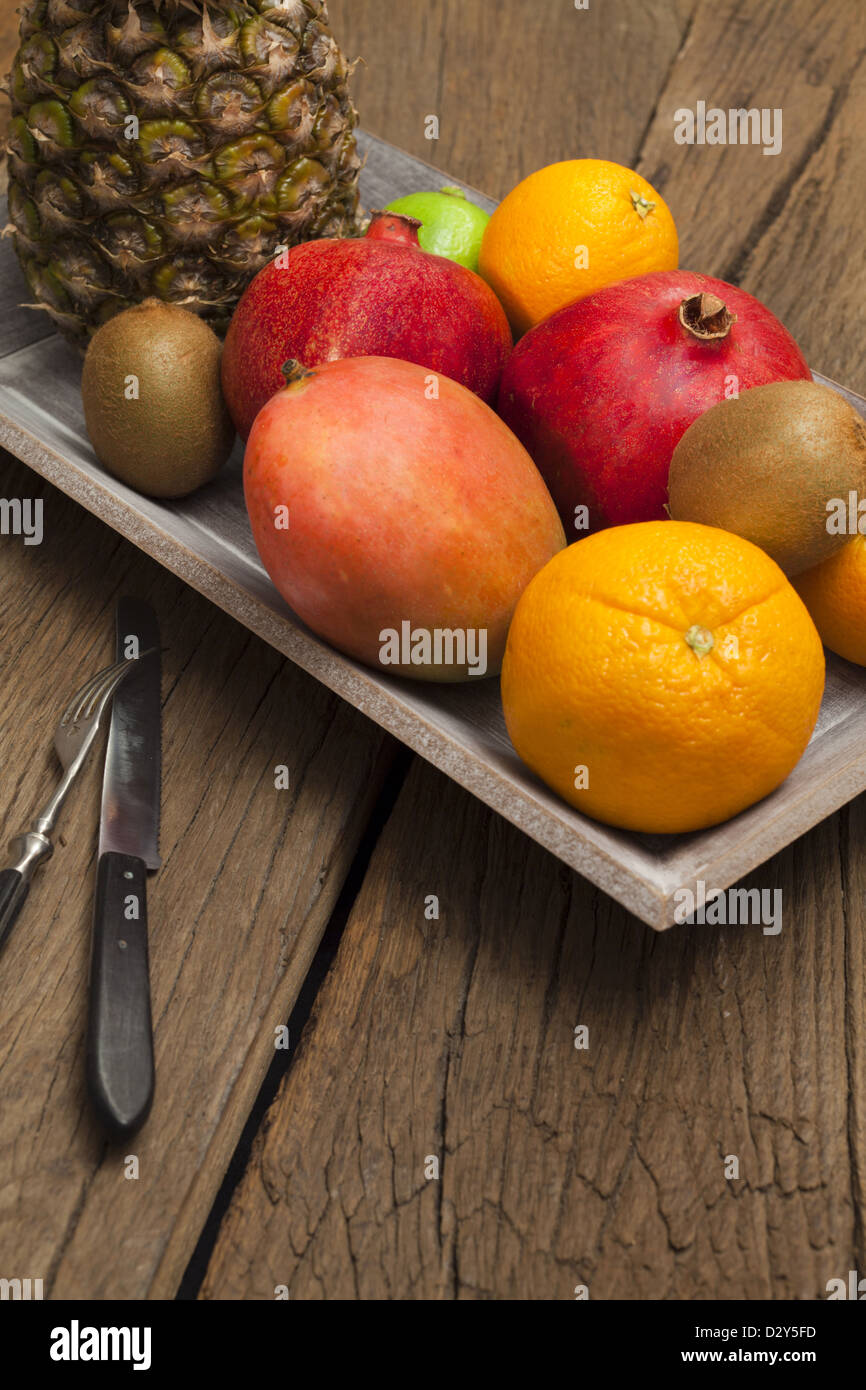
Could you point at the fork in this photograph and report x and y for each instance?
(72, 740)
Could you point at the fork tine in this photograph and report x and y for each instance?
(76, 698)
(76, 705)
(82, 693)
(99, 687)
(106, 688)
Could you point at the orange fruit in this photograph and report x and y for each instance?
(662, 676)
(569, 230)
(835, 594)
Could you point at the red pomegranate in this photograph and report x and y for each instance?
(375, 296)
(602, 391)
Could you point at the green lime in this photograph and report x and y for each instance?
(451, 225)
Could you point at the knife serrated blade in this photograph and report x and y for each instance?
(120, 1067)
(132, 781)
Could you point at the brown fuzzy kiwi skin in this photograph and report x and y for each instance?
(177, 434)
(766, 464)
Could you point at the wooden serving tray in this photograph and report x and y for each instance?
(206, 540)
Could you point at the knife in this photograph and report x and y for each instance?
(120, 1069)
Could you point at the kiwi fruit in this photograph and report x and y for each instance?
(153, 405)
(774, 465)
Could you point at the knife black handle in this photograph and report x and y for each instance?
(120, 1070)
(14, 888)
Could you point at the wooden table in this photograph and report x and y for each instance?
(436, 1133)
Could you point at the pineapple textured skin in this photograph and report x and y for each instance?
(167, 147)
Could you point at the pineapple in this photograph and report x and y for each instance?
(166, 148)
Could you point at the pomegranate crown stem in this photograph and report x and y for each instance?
(706, 317)
(394, 227)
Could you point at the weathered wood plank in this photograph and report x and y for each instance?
(604, 1166)
(455, 1037)
(514, 85)
(249, 879)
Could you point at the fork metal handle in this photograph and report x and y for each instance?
(45, 822)
(29, 850)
